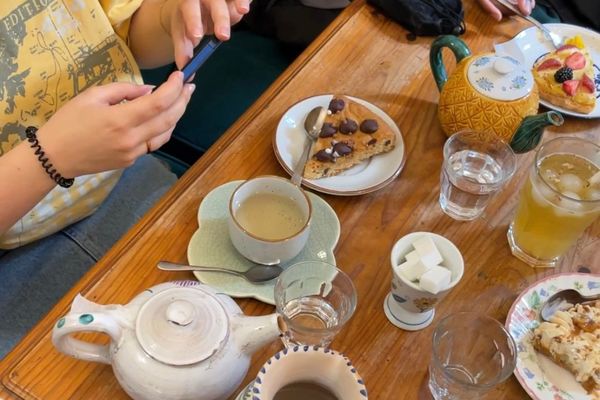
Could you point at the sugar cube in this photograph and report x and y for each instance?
(427, 251)
(435, 279)
(412, 270)
(412, 256)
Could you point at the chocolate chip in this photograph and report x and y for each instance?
(369, 126)
(328, 130)
(324, 156)
(336, 105)
(371, 142)
(583, 269)
(387, 143)
(342, 149)
(325, 171)
(348, 126)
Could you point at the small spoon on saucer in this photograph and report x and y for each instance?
(312, 126)
(256, 274)
(564, 300)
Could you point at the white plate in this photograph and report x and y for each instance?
(366, 177)
(539, 376)
(210, 244)
(532, 45)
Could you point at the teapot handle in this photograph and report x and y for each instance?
(85, 322)
(458, 47)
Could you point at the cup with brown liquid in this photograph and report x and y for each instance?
(308, 372)
(269, 219)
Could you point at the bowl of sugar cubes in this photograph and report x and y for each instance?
(425, 267)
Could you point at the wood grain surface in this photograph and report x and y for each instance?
(362, 54)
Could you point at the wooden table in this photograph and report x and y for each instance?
(362, 54)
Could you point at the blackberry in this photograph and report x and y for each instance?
(564, 74)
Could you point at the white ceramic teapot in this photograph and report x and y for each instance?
(178, 340)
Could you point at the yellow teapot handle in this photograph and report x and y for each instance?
(458, 47)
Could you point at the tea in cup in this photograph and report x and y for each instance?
(418, 284)
(269, 219)
(308, 372)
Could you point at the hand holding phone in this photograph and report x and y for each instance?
(205, 48)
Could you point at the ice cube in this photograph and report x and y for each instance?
(428, 253)
(412, 270)
(592, 194)
(570, 183)
(436, 279)
(567, 206)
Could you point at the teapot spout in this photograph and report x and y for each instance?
(530, 132)
(252, 333)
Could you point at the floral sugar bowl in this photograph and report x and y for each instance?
(175, 341)
(490, 93)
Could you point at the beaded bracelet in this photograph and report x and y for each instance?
(30, 132)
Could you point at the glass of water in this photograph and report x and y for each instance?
(472, 353)
(314, 300)
(475, 167)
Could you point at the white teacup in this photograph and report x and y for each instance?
(308, 372)
(407, 305)
(269, 219)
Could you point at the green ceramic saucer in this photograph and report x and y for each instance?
(210, 244)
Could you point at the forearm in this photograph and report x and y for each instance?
(150, 44)
(24, 183)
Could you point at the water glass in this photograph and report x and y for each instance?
(314, 300)
(559, 200)
(475, 167)
(472, 353)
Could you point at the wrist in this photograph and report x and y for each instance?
(53, 151)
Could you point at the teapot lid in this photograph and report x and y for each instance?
(500, 77)
(182, 325)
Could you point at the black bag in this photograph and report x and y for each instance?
(425, 17)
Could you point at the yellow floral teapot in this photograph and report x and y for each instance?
(489, 93)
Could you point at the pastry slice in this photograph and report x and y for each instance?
(565, 77)
(572, 340)
(351, 134)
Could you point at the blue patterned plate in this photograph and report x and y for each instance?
(539, 376)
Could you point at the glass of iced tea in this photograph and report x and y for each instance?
(559, 200)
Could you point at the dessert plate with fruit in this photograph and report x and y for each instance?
(568, 78)
(554, 359)
(359, 150)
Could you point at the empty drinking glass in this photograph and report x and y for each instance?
(314, 300)
(475, 167)
(471, 354)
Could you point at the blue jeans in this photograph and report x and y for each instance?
(34, 277)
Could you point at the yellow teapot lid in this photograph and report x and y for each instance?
(500, 77)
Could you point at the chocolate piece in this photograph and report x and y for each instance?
(336, 105)
(387, 142)
(341, 149)
(371, 142)
(369, 126)
(324, 156)
(348, 126)
(328, 130)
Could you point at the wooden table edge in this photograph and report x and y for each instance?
(195, 172)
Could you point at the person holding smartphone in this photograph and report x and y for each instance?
(77, 124)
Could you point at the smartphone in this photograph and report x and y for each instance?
(205, 48)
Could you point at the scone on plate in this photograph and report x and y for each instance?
(351, 134)
(572, 340)
(565, 77)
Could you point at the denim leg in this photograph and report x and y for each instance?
(34, 277)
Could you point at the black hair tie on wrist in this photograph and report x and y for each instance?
(30, 132)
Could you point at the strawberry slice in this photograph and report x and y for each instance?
(566, 47)
(570, 87)
(587, 84)
(575, 61)
(551, 63)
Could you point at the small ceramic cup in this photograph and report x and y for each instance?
(407, 305)
(264, 250)
(303, 371)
